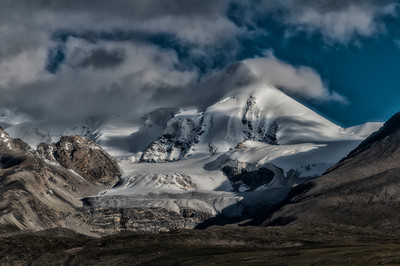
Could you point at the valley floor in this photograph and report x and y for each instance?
(228, 245)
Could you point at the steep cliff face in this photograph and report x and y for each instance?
(110, 220)
(256, 126)
(178, 137)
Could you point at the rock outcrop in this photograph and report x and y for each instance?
(256, 126)
(83, 156)
(110, 220)
(176, 140)
(39, 193)
(251, 180)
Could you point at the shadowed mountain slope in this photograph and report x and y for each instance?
(362, 190)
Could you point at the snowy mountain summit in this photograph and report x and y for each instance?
(251, 111)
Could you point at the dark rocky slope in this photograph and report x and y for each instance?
(40, 190)
(83, 156)
(362, 190)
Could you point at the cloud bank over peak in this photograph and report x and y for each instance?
(298, 81)
(70, 59)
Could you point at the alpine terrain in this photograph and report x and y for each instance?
(237, 156)
(224, 163)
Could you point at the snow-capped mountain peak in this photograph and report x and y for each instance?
(252, 110)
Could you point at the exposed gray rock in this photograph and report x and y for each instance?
(37, 192)
(255, 125)
(176, 140)
(34, 194)
(108, 220)
(251, 179)
(185, 134)
(85, 157)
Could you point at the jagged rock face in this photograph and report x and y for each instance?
(11, 150)
(37, 192)
(251, 179)
(35, 195)
(256, 126)
(362, 190)
(194, 134)
(6, 142)
(84, 157)
(176, 140)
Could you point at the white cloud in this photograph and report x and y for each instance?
(298, 81)
(340, 25)
(337, 21)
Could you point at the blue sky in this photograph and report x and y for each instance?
(366, 71)
(70, 60)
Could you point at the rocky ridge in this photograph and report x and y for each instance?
(83, 156)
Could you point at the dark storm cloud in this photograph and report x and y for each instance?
(72, 94)
(100, 58)
(196, 20)
(132, 9)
